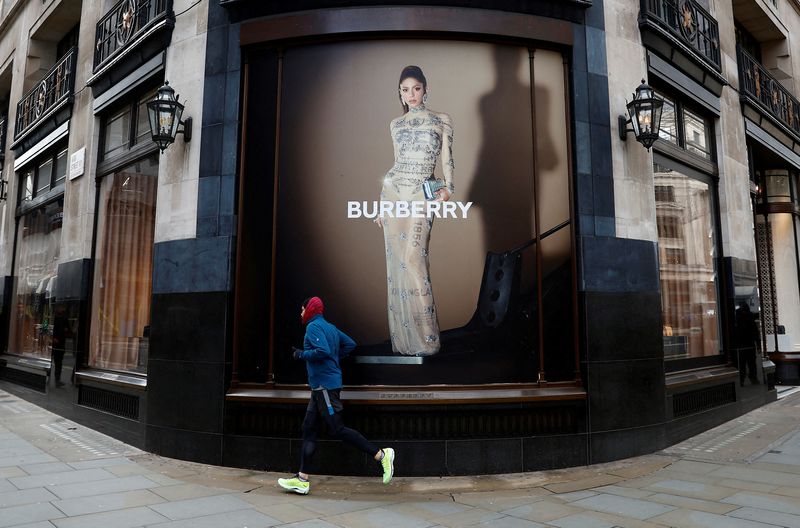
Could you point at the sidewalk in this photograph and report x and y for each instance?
(742, 474)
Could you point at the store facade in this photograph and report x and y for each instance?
(574, 302)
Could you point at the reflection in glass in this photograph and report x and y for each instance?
(26, 189)
(61, 167)
(117, 134)
(669, 126)
(696, 134)
(121, 309)
(45, 173)
(39, 241)
(778, 185)
(686, 263)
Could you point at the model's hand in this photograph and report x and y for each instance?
(296, 352)
(379, 221)
(443, 195)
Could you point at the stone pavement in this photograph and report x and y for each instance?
(742, 474)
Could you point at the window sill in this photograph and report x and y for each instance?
(713, 375)
(130, 381)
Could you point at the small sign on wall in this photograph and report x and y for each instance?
(76, 163)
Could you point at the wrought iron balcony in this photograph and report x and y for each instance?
(689, 23)
(48, 95)
(767, 93)
(125, 23)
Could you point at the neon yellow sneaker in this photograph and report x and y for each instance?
(295, 484)
(388, 464)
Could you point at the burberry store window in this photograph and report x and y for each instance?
(34, 329)
(685, 194)
(119, 336)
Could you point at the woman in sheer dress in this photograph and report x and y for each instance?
(420, 136)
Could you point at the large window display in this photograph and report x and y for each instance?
(417, 224)
(123, 268)
(34, 324)
(686, 253)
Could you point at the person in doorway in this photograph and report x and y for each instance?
(324, 345)
(59, 342)
(747, 337)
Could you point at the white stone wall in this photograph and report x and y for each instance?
(634, 201)
(179, 167)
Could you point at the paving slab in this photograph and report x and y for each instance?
(108, 502)
(689, 503)
(623, 506)
(186, 509)
(28, 496)
(765, 502)
(66, 477)
(692, 489)
(543, 511)
(235, 519)
(28, 513)
(184, 491)
(126, 518)
(100, 487)
(785, 520)
(581, 520)
(47, 467)
(695, 519)
(377, 518)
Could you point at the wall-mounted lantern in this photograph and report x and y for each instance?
(645, 116)
(165, 116)
(3, 188)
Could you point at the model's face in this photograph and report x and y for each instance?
(412, 91)
(302, 312)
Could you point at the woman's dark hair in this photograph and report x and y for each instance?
(412, 72)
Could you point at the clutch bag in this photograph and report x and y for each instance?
(430, 186)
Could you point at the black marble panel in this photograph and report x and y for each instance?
(185, 445)
(189, 326)
(217, 50)
(208, 196)
(579, 51)
(262, 454)
(625, 394)
(333, 457)
(186, 395)
(618, 264)
(594, 15)
(613, 445)
(623, 326)
(213, 94)
(73, 280)
(598, 101)
(211, 148)
(6, 289)
(549, 452)
(503, 455)
(192, 265)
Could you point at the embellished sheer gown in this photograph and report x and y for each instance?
(420, 137)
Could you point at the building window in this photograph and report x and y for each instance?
(685, 128)
(38, 255)
(687, 251)
(124, 268)
(126, 128)
(45, 173)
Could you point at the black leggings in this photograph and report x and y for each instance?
(318, 407)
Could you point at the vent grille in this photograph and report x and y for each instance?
(33, 381)
(116, 403)
(438, 424)
(700, 400)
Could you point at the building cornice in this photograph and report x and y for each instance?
(10, 16)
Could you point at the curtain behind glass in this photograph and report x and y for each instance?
(124, 266)
(686, 252)
(39, 241)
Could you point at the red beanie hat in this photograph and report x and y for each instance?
(313, 307)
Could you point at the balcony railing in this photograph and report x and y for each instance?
(767, 93)
(688, 22)
(123, 23)
(48, 94)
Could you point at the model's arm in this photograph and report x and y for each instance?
(346, 344)
(313, 346)
(448, 165)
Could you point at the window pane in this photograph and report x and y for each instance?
(121, 296)
(39, 242)
(43, 178)
(117, 134)
(686, 264)
(696, 134)
(142, 122)
(61, 167)
(26, 189)
(669, 127)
